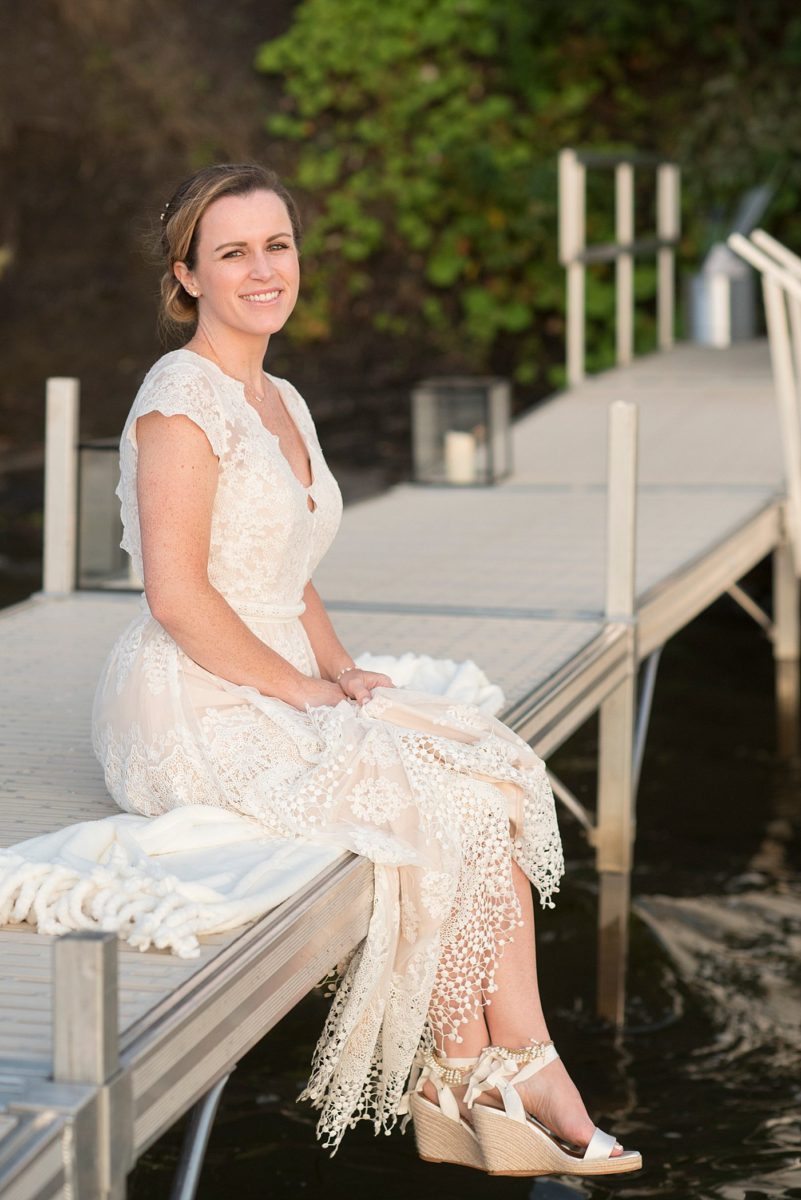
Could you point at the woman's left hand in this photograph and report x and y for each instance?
(357, 684)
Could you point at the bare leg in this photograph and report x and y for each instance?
(475, 1037)
(515, 1017)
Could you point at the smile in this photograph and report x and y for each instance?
(263, 297)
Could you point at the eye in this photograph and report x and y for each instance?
(231, 253)
(278, 246)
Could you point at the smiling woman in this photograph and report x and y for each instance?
(231, 688)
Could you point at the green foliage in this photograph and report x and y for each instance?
(426, 134)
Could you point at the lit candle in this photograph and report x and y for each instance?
(460, 457)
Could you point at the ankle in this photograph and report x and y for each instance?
(517, 1039)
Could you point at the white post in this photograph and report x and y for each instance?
(615, 819)
(668, 217)
(786, 386)
(61, 486)
(85, 1050)
(786, 637)
(572, 209)
(624, 266)
(85, 1007)
(621, 514)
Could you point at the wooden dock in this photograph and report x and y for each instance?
(516, 577)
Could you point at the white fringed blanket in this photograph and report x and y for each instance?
(164, 881)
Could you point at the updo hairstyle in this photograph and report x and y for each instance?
(180, 222)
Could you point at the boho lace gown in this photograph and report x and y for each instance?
(440, 796)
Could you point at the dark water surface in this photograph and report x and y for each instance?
(706, 1081)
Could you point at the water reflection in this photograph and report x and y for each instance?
(706, 1081)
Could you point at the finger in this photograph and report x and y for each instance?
(379, 680)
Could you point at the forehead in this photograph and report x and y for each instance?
(251, 217)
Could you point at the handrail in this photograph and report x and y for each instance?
(780, 252)
(781, 288)
(575, 255)
(764, 263)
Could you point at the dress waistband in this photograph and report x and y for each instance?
(252, 608)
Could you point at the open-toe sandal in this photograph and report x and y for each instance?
(515, 1143)
(441, 1132)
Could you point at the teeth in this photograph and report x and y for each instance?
(261, 297)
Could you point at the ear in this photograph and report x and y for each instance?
(186, 278)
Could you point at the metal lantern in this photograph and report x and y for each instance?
(461, 430)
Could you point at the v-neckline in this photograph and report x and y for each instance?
(306, 488)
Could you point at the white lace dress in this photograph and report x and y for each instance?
(438, 795)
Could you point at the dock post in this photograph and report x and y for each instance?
(61, 486)
(572, 239)
(615, 821)
(786, 636)
(86, 1050)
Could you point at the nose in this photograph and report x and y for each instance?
(262, 266)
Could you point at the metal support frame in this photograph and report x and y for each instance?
(196, 1140)
(750, 606)
(644, 714)
(569, 799)
(573, 805)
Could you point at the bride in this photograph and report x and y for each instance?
(231, 688)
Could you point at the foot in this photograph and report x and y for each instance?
(553, 1098)
(430, 1093)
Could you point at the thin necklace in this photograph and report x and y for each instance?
(250, 391)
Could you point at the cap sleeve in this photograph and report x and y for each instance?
(182, 389)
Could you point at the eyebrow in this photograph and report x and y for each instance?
(269, 239)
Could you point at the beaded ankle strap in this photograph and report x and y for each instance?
(444, 1073)
(446, 1069)
(520, 1054)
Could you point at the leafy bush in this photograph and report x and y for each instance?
(427, 134)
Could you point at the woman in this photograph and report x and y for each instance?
(233, 689)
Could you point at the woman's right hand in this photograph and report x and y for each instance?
(316, 691)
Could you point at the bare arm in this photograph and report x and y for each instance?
(331, 655)
(177, 478)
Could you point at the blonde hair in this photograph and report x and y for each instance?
(180, 222)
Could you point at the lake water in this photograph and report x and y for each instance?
(706, 1080)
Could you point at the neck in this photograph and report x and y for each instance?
(239, 355)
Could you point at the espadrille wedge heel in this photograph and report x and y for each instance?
(440, 1131)
(515, 1143)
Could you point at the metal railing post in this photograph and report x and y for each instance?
(786, 638)
(624, 264)
(615, 821)
(85, 1051)
(668, 215)
(61, 486)
(572, 219)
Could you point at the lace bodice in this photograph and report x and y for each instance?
(265, 540)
